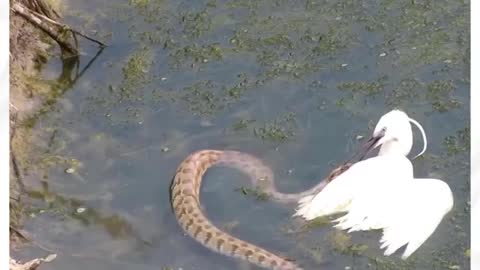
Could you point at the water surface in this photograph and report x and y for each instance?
(296, 83)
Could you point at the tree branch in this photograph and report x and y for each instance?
(66, 27)
(41, 21)
(35, 20)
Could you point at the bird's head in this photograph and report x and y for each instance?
(393, 134)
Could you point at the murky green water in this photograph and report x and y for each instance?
(292, 82)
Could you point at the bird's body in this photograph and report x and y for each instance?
(382, 193)
(337, 196)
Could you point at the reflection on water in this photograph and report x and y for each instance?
(297, 84)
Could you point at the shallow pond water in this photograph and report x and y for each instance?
(295, 83)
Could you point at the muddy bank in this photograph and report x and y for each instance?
(29, 49)
(37, 34)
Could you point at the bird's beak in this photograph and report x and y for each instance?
(372, 143)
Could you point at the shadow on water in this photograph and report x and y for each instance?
(70, 74)
(298, 84)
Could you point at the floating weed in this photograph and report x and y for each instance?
(293, 68)
(342, 243)
(357, 249)
(454, 161)
(201, 98)
(122, 102)
(256, 192)
(205, 97)
(358, 92)
(272, 131)
(139, 3)
(440, 95)
(279, 40)
(337, 37)
(407, 90)
(445, 259)
(418, 32)
(195, 54)
(459, 143)
(267, 57)
(316, 253)
(366, 88)
(381, 263)
(136, 69)
(152, 37)
(238, 90)
(196, 23)
(249, 4)
(317, 223)
(432, 49)
(278, 130)
(116, 225)
(242, 124)
(340, 240)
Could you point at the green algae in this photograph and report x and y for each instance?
(277, 130)
(440, 93)
(342, 243)
(256, 192)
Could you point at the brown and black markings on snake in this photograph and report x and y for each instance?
(185, 200)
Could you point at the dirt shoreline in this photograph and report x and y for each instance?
(29, 48)
(27, 53)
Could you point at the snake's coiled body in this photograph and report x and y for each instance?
(185, 198)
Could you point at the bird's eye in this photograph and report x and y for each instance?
(383, 130)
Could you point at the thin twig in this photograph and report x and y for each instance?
(87, 66)
(68, 28)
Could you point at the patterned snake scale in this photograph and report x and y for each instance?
(185, 199)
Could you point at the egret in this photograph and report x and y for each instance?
(381, 192)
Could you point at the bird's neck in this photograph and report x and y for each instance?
(394, 148)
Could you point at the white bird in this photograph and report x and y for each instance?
(382, 193)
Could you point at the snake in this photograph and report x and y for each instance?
(185, 201)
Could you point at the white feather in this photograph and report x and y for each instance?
(412, 220)
(338, 195)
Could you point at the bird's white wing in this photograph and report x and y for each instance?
(358, 184)
(371, 210)
(416, 216)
